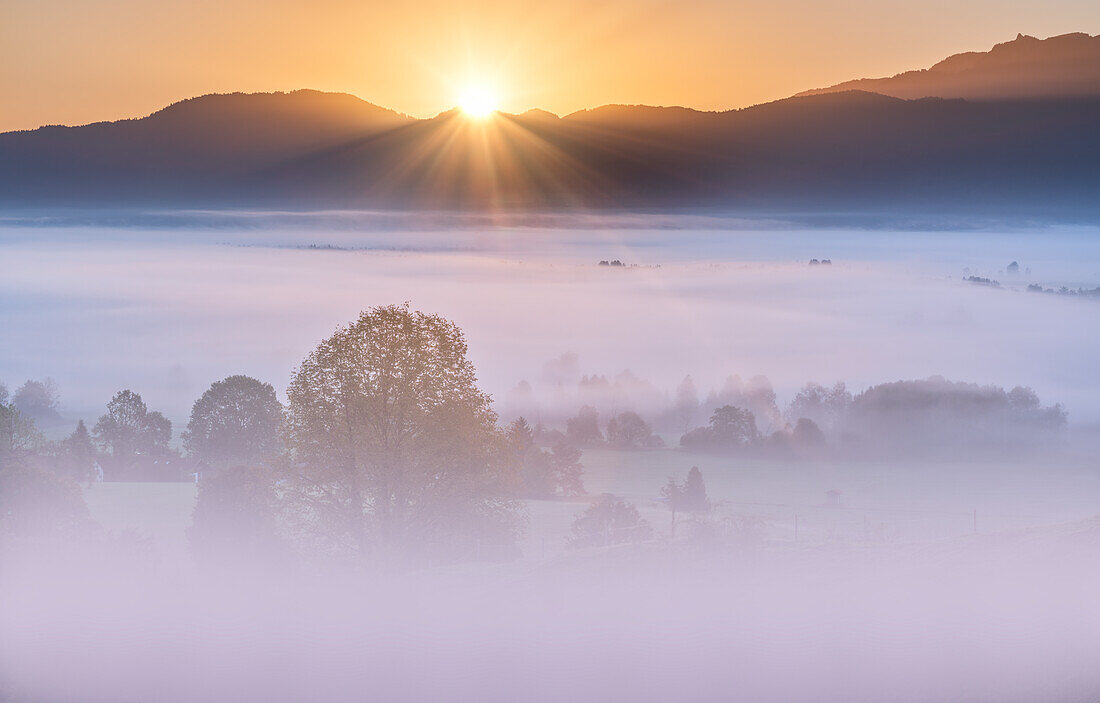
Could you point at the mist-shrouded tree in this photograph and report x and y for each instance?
(686, 406)
(689, 496)
(548, 436)
(760, 401)
(694, 497)
(3, 394)
(806, 435)
(235, 522)
(584, 428)
(565, 462)
(628, 430)
(395, 449)
(235, 422)
(545, 474)
(521, 434)
(130, 430)
(563, 370)
(935, 416)
(39, 400)
(672, 494)
(39, 504)
(730, 429)
(533, 463)
(805, 440)
(19, 437)
(79, 454)
(755, 395)
(610, 520)
(827, 407)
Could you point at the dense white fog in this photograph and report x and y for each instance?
(371, 530)
(1007, 620)
(169, 310)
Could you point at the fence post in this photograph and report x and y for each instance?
(975, 521)
(796, 527)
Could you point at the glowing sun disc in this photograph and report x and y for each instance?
(478, 102)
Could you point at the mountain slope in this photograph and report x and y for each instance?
(1066, 66)
(838, 151)
(217, 137)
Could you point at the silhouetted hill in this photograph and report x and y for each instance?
(217, 138)
(840, 151)
(1067, 66)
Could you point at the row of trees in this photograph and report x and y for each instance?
(386, 447)
(925, 417)
(126, 438)
(562, 386)
(33, 501)
(626, 430)
(732, 429)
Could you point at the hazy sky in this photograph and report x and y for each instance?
(75, 61)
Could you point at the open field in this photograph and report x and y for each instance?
(880, 502)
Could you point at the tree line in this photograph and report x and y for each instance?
(928, 417)
(388, 447)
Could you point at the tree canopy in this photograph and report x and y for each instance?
(584, 428)
(235, 422)
(395, 448)
(628, 430)
(730, 428)
(130, 429)
(610, 520)
(18, 435)
(39, 400)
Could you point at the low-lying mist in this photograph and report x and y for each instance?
(167, 311)
(334, 457)
(1010, 618)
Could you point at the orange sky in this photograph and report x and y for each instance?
(75, 61)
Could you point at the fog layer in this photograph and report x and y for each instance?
(167, 311)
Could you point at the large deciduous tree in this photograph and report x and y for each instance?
(395, 449)
(235, 422)
(129, 430)
(235, 521)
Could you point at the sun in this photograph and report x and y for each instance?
(478, 101)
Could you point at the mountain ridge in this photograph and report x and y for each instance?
(1067, 65)
(835, 149)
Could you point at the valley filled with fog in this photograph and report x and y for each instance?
(760, 458)
(171, 308)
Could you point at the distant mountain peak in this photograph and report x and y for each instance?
(1067, 65)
